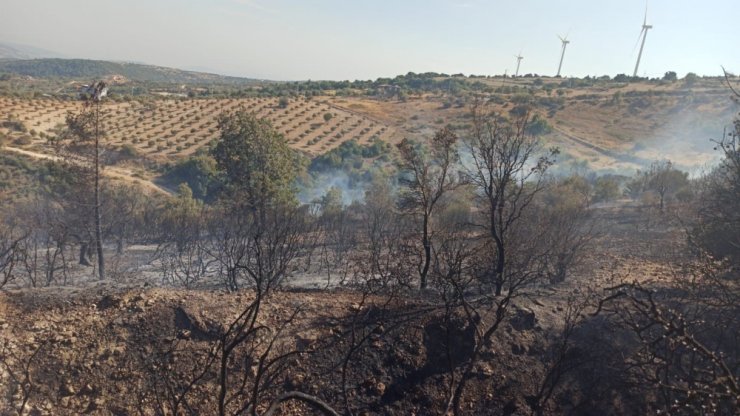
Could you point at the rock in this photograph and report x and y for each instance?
(87, 389)
(485, 369)
(66, 389)
(65, 401)
(184, 334)
(109, 301)
(40, 326)
(518, 349)
(303, 343)
(294, 381)
(523, 320)
(95, 404)
(199, 328)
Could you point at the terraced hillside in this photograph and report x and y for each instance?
(615, 127)
(166, 129)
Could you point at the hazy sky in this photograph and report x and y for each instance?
(366, 39)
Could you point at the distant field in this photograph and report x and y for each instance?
(610, 127)
(177, 128)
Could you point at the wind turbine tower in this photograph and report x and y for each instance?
(643, 34)
(565, 42)
(518, 62)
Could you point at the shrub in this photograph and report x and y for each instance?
(128, 151)
(23, 140)
(538, 126)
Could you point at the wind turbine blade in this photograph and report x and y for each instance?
(634, 48)
(644, 21)
(561, 38)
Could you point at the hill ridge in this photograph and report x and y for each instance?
(90, 68)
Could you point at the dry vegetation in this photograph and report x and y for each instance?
(166, 129)
(614, 126)
(467, 280)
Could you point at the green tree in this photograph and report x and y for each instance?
(605, 189)
(199, 173)
(690, 79)
(538, 126)
(258, 168)
(332, 202)
(665, 180)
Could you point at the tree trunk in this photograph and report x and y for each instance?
(498, 277)
(427, 254)
(120, 245)
(500, 261)
(83, 254)
(98, 231)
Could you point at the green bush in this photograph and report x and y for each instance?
(198, 172)
(538, 126)
(128, 151)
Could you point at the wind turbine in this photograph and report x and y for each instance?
(518, 62)
(562, 53)
(643, 34)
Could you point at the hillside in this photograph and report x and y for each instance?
(14, 51)
(167, 129)
(120, 347)
(87, 69)
(610, 127)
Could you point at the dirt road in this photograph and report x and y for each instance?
(123, 174)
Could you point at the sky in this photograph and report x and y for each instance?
(361, 39)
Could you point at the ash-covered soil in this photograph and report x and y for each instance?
(113, 348)
(100, 351)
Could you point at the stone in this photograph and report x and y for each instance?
(518, 349)
(523, 320)
(109, 301)
(66, 389)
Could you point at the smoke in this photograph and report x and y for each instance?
(353, 190)
(688, 139)
(684, 133)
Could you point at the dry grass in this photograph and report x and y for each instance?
(176, 128)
